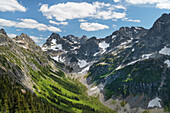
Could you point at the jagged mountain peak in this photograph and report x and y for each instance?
(54, 36)
(3, 31)
(84, 36)
(92, 39)
(4, 38)
(26, 42)
(162, 24)
(24, 38)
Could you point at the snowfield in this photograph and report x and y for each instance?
(82, 63)
(85, 69)
(59, 59)
(104, 46)
(165, 51)
(146, 56)
(167, 62)
(154, 103)
(53, 41)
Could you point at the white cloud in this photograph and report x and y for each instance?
(11, 5)
(116, 1)
(18, 30)
(144, 1)
(131, 20)
(114, 19)
(82, 20)
(37, 39)
(165, 5)
(12, 35)
(28, 23)
(58, 23)
(73, 10)
(54, 29)
(8, 23)
(120, 7)
(161, 4)
(114, 26)
(92, 26)
(110, 15)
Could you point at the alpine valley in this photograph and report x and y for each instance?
(126, 72)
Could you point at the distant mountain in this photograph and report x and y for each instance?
(132, 64)
(140, 71)
(81, 53)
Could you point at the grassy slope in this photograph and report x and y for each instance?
(49, 84)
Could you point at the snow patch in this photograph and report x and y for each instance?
(53, 41)
(85, 69)
(57, 47)
(165, 51)
(104, 46)
(19, 41)
(94, 88)
(113, 36)
(138, 28)
(58, 59)
(82, 63)
(135, 31)
(95, 54)
(133, 62)
(133, 50)
(127, 42)
(167, 62)
(154, 103)
(146, 56)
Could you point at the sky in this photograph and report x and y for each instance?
(100, 18)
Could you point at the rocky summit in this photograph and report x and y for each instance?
(81, 53)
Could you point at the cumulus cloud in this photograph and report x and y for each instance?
(92, 26)
(114, 26)
(131, 20)
(11, 5)
(116, 1)
(73, 10)
(82, 20)
(12, 35)
(8, 23)
(161, 4)
(28, 23)
(58, 23)
(37, 39)
(110, 15)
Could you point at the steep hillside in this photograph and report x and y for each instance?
(140, 73)
(32, 81)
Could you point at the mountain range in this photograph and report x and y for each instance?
(128, 71)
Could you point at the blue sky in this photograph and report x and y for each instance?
(40, 18)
